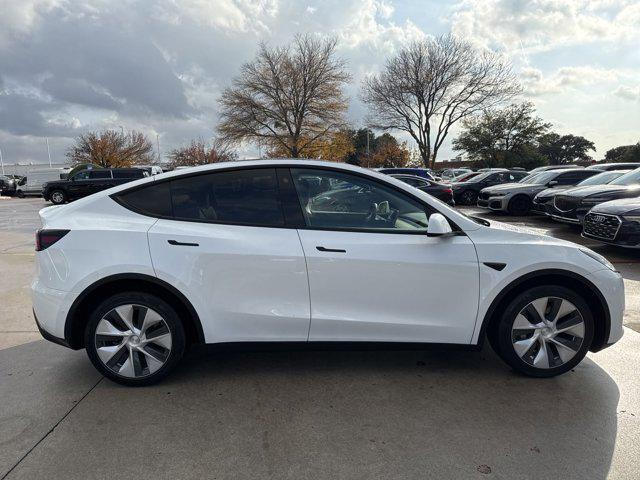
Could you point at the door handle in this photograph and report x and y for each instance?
(183, 244)
(335, 250)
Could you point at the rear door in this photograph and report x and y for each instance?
(374, 274)
(99, 180)
(225, 245)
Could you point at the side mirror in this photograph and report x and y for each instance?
(438, 226)
(552, 183)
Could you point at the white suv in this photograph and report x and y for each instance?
(307, 251)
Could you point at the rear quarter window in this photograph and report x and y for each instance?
(153, 200)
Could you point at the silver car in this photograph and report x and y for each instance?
(517, 198)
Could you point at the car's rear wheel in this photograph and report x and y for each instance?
(544, 331)
(134, 338)
(469, 197)
(58, 197)
(20, 194)
(519, 205)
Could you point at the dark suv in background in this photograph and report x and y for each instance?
(86, 182)
(466, 193)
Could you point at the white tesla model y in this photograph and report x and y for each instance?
(307, 251)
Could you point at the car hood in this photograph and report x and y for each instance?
(613, 190)
(513, 187)
(627, 206)
(518, 234)
(550, 192)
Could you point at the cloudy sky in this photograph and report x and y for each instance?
(69, 66)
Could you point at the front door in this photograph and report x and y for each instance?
(374, 274)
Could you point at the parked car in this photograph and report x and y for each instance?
(553, 167)
(35, 179)
(243, 252)
(417, 172)
(87, 182)
(553, 201)
(572, 206)
(7, 185)
(517, 198)
(616, 222)
(450, 174)
(466, 192)
(605, 167)
(440, 191)
(467, 176)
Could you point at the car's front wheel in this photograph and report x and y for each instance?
(544, 331)
(134, 338)
(519, 205)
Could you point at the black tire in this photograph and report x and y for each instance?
(501, 337)
(519, 205)
(469, 197)
(169, 316)
(20, 194)
(58, 197)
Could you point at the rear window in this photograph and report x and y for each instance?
(99, 174)
(133, 173)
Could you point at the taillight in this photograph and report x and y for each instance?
(448, 190)
(46, 238)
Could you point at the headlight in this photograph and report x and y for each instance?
(598, 258)
(497, 194)
(632, 218)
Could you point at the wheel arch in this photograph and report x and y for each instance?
(565, 278)
(78, 314)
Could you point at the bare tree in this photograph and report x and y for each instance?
(287, 98)
(199, 153)
(111, 149)
(430, 85)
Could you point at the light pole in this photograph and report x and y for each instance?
(1, 161)
(48, 151)
(121, 130)
(158, 144)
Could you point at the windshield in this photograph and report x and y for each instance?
(530, 178)
(600, 179)
(631, 178)
(542, 177)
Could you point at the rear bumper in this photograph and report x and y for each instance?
(50, 309)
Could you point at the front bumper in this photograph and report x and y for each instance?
(611, 286)
(541, 207)
(497, 204)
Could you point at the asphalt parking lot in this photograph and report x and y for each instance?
(311, 414)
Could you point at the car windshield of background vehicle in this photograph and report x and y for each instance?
(543, 177)
(601, 178)
(631, 178)
(335, 200)
(530, 178)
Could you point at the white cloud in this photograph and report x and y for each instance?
(565, 78)
(538, 25)
(627, 93)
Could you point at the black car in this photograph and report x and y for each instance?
(438, 190)
(466, 193)
(572, 205)
(544, 202)
(86, 182)
(616, 222)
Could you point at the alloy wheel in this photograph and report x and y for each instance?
(57, 197)
(548, 332)
(133, 341)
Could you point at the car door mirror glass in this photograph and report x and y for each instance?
(438, 225)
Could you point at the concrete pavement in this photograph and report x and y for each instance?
(302, 414)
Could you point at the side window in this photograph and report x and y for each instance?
(99, 174)
(336, 200)
(571, 178)
(133, 173)
(83, 175)
(153, 199)
(245, 197)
